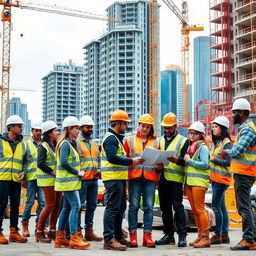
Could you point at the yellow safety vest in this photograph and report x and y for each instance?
(174, 172)
(11, 163)
(197, 177)
(66, 181)
(46, 179)
(111, 171)
(31, 161)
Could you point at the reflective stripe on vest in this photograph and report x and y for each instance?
(89, 160)
(136, 147)
(197, 177)
(66, 181)
(246, 163)
(45, 179)
(11, 163)
(220, 174)
(32, 161)
(111, 171)
(174, 172)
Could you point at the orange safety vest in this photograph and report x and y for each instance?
(220, 174)
(136, 148)
(89, 160)
(246, 163)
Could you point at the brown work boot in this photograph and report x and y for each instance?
(79, 230)
(216, 239)
(25, 231)
(52, 234)
(16, 237)
(114, 245)
(3, 240)
(77, 243)
(90, 236)
(243, 245)
(195, 241)
(123, 242)
(204, 241)
(60, 240)
(225, 238)
(40, 237)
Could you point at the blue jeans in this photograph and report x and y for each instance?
(88, 193)
(70, 211)
(146, 189)
(219, 207)
(32, 189)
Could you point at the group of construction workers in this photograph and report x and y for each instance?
(62, 172)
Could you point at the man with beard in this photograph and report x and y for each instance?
(243, 165)
(170, 185)
(90, 164)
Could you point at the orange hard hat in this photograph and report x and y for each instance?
(119, 115)
(169, 119)
(146, 119)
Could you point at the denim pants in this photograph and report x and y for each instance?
(10, 189)
(88, 197)
(70, 211)
(243, 184)
(146, 189)
(114, 209)
(219, 207)
(32, 190)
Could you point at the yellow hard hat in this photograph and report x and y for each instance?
(119, 115)
(146, 119)
(169, 119)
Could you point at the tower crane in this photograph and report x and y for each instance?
(7, 18)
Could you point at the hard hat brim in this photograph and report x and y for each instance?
(167, 125)
(128, 121)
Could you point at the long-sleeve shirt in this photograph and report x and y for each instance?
(41, 157)
(111, 146)
(247, 138)
(203, 164)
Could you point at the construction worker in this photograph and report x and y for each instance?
(142, 181)
(46, 171)
(114, 172)
(197, 181)
(68, 180)
(171, 183)
(243, 154)
(90, 164)
(32, 190)
(12, 160)
(220, 177)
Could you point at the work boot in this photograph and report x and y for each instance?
(166, 239)
(77, 243)
(90, 236)
(46, 231)
(195, 241)
(225, 238)
(244, 245)
(216, 239)
(204, 241)
(16, 237)
(147, 240)
(25, 231)
(123, 242)
(40, 237)
(60, 240)
(182, 241)
(133, 239)
(79, 230)
(114, 245)
(3, 240)
(52, 234)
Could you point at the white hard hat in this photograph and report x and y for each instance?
(86, 120)
(242, 104)
(70, 121)
(15, 119)
(36, 125)
(197, 126)
(48, 125)
(222, 120)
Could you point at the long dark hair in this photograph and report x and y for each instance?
(224, 134)
(46, 138)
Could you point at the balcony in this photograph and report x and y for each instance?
(246, 62)
(216, 4)
(244, 5)
(245, 19)
(246, 47)
(245, 92)
(246, 32)
(246, 77)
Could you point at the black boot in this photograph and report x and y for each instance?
(166, 239)
(182, 241)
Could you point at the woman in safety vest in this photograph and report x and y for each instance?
(220, 177)
(142, 181)
(46, 171)
(68, 180)
(197, 181)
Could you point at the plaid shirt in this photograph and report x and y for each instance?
(247, 139)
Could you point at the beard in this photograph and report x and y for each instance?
(236, 119)
(87, 134)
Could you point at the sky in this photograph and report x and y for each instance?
(39, 40)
